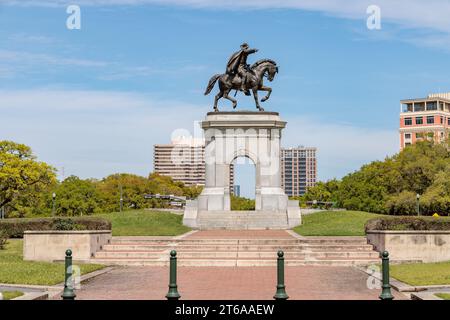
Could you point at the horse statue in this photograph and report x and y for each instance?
(260, 69)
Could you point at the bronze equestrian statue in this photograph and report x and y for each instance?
(240, 76)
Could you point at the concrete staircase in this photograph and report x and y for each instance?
(242, 220)
(323, 251)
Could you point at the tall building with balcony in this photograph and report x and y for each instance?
(298, 170)
(183, 160)
(425, 118)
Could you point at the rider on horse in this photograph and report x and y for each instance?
(237, 64)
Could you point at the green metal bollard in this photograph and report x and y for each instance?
(173, 292)
(281, 288)
(386, 287)
(68, 293)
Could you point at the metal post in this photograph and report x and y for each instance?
(281, 288)
(173, 288)
(68, 293)
(386, 287)
(54, 203)
(121, 198)
(418, 204)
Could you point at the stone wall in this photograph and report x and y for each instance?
(428, 246)
(52, 245)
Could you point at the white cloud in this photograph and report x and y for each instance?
(93, 133)
(96, 133)
(432, 14)
(39, 59)
(341, 148)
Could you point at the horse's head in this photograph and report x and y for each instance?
(266, 67)
(271, 71)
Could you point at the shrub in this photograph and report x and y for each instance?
(14, 228)
(408, 223)
(3, 239)
(402, 204)
(67, 224)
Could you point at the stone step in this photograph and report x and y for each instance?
(353, 241)
(235, 254)
(235, 262)
(215, 247)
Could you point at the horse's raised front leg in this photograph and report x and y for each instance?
(226, 96)
(255, 95)
(216, 99)
(269, 91)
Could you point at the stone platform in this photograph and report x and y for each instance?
(256, 136)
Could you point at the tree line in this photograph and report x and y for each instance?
(420, 173)
(28, 187)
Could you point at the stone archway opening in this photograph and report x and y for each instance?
(243, 184)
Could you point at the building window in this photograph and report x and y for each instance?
(407, 135)
(442, 120)
(419, 135)
(407, 143)
(407, 107)
(431, 105)
(430, 119)
(448, 121)
(419, 106)
(419, 120)
(408, 121)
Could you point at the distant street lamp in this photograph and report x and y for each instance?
(418, 204)
(54, 203)
(121, 198)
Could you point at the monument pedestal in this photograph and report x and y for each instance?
(255, 135)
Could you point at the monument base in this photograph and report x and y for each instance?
(241, 220)
(256, 136)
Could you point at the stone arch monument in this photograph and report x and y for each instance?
(256, 135)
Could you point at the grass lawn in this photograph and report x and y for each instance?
(422, 274)
(16, 271)
(145, 223)
(445, 296)
(335, 223)
(8, 295)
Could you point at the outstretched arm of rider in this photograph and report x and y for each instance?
(250, 51)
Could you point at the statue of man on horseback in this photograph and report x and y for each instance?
(240, 76)
(237, 64)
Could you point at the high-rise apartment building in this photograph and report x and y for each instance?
(298, 170)
(425, 118)
(183, 160)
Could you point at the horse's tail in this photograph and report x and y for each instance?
(211, 83)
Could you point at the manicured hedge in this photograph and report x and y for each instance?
(15, 227)
(408, 223)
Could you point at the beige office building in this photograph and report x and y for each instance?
(183, 160)
(298, 170)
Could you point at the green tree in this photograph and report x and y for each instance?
(402, 204)
(77, 197)
(241, 203)
(133, 190)
(21, 175)
(437, 197)
(390, 186)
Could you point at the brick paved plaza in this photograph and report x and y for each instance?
(302, 282)
(308, 282)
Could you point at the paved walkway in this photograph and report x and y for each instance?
(258, 283)
(232, 283)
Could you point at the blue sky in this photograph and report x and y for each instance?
(95, 100)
